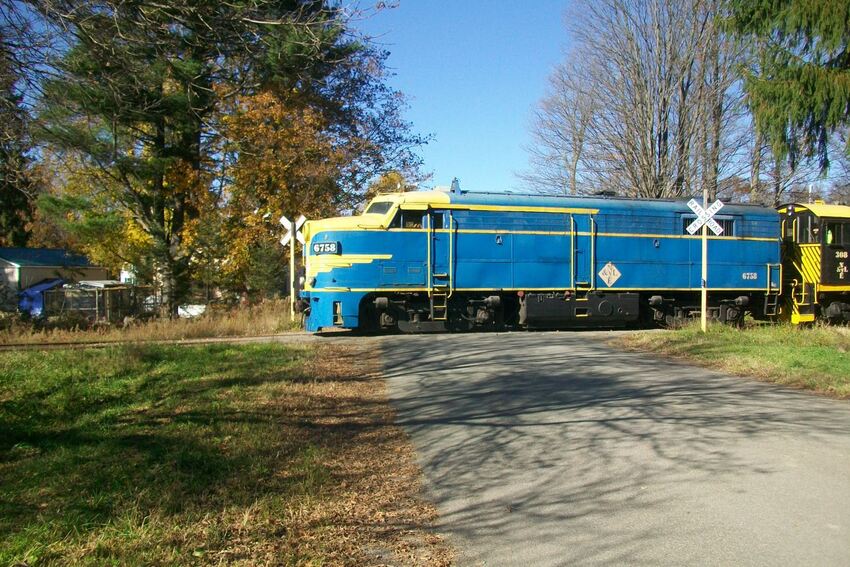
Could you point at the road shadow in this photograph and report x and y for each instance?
(557, 440)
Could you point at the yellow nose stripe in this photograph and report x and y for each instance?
(327, 262)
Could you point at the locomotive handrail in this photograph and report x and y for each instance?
(592, 274)
(451, 250)
(799, 269)
(769, 288)
(572, 252)
(429, 240)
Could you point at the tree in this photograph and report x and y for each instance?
(71, 215)
(798, 94)
(393, 181)
(266, 272)
(645, 105)
(17, 176)
(143, 89)
(839, 193)
(560, 129)
(286, 162)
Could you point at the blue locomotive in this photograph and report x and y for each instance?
(432, 261)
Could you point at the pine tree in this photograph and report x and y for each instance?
(800, 92)
(16, 182)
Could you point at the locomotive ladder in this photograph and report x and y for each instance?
(440, 292)
(439, 304)
(772, 294)
(771, 304)
(582, 288)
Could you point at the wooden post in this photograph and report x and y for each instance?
(704, 288)
(292, 279)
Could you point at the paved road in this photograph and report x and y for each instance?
(554, 449)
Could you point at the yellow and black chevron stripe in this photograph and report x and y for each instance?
(810, 266)
(804, 271)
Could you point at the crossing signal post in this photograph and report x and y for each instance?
(292, 228)
(705, 220)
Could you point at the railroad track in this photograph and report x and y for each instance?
(287, 338)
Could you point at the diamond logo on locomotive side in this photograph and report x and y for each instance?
(609, 274)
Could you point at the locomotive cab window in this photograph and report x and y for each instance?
(788, 228)
(407, 219)
(808, 229)
(379, 207)
(437, 220)
(727, 224)
(837, 233)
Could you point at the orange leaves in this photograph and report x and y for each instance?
(287, 162)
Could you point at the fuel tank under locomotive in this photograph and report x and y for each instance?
(594, 309)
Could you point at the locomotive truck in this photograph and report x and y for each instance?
(435, 261)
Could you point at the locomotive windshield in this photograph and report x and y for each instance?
(379, 207)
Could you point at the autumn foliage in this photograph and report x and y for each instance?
(286, 164)
(177, 134)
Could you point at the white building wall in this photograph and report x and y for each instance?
(30, 275)
(9, 275)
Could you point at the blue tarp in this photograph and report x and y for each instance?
(32, 299)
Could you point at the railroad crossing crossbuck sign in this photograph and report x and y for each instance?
(288, 225)
(287, 239)
(704, 217)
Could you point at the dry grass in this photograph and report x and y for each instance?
(248, 455)
(375, 515)
(816, 358)
(267, 318)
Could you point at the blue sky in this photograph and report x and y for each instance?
(473, 72)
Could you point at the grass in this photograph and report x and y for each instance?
(811, 358)
(166, 455)
(267, 318)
